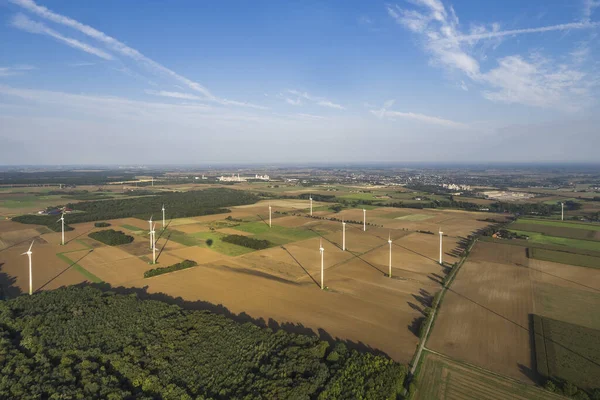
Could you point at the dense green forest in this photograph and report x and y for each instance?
(177, 204)
(83, 343)
(172, 268)
(101, 224)
(111, 237)
(252, 243)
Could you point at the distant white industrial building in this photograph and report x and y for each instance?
(453, 186)
(238, 178)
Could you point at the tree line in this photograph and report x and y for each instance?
(172, 268)
(246, 241)
(80, 342)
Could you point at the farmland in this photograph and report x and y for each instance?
(560, 241)
(566, 351)
(563, 257)
(357, 308)
(446, 379)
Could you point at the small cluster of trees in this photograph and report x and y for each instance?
(175, 267)
(111, 237)
(101, 224)
(568, 389)
(251, 243)
(426, 232)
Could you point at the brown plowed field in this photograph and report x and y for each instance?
(484, 318)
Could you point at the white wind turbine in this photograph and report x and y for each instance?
(28, 252)
(150, 223)
(343, 236)
(390, 242)
(269, 214)
(562, 211)
(441, 235)
(62, 220)
(152, 237)
(310, 198)
(364, 220)
(322, 250)
(163, 211)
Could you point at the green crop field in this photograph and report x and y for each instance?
(277, 234)
(91, 277)
(565, 224)
(558, 231)
(568, 304)
(567, 351)
(563, 257)
(555, 240)
(133, 228)
(219, 246)
(440, 378)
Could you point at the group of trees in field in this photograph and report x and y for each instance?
(111, 237)
(178, 205)
(246, 241)
(80, 342)
(101, 224)
(172, 268)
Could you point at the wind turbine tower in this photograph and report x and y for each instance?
(390, 242)
(441, 235)
(28, 252)
(310, 198)
(364, 220)
(62, 220)
(150, 223)
(343, 236)
(269, 215)
(562, 211)
(322, 250)
(163, 211)
(152, 236)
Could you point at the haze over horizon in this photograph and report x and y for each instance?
(267, 82)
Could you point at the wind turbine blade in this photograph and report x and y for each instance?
(31, 246)
(23, 253)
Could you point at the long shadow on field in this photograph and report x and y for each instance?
(8, 289)
(163, 247)
(82, 233)
(303, 269)
(63, 271)
(263, 220)
(21, 242)
(162, 231)
(415, 325)
(339, 246)
(414, 252)
(242, 317)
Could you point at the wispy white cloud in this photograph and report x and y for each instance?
(588, 9)
(22, 22)
(428, 119)
(320, 101)
(174, 95)
(464, 86)
(123, 50)
(15, 70)
(81, 64)
(533, 81)
(293, 102)
(513, 32)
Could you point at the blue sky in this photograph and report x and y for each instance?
(118, 82)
